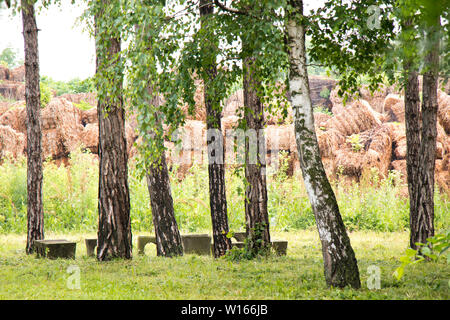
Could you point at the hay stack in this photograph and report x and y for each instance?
(379, 150)
(279, 137)
(12, 90)
(348, 163)
(5, 74)
(396, 112)
(193, 135)
(356, 118)
(61, 123)
(229, 123)
(4, 106)
(90, 98)
(444, 111)
(375, 154)
(18, 74)
(11, 142)
(329, 142)
(320, 119)
(15, 118)
(391, 100)
(376, 99)
(337, 109)
(89, 137)
(89, 116)
(336, 99)
(398, 137)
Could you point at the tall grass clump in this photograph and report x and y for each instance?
(70, 199)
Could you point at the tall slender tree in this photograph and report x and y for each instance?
(114, 225)
(35, 211)
(142, 26)
(341, 267)
(256, 213)
(168, 238)
(412, 119)
(422, 196)
(216, 166)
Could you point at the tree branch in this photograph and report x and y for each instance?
(230, 10)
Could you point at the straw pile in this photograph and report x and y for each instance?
(15, 118)
(12, 143)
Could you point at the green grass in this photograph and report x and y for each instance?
(70, 200)
(299, 275)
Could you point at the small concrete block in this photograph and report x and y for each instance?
(142, 242)
(240, 236)
(54, 249)
(280, 247)
(196, 243)
(238, 244)
(90, 246)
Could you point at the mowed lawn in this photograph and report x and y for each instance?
(299, 275)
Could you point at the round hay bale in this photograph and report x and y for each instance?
(18, 74)
(348, 163)
(279, 137)
(320, 119)
(444, 111)
(329, 142)
(5, 74)
(391, 100)
(11, 142)
(89, 116)
(89, 137)
(15, 118)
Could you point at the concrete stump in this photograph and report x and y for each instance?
(90, 246)
(196, 243)
(240, 236)
(192, 243)
(54, 249)
(142, 242)
(280, 247)
(238, 244)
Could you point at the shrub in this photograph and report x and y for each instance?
(83, 105)
(322, 109)
(325, 93)
(355, 142)
(46, 94)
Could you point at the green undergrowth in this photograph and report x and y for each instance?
(70, 200)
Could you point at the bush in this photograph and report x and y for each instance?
(355, 142)
(322, 109)
(46, 94)
(325, 93)
(72, 86)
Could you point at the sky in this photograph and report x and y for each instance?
(65, 50)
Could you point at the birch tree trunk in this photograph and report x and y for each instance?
(35, 211)
(340, 265)
(114, 225)
(216, 152)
